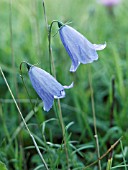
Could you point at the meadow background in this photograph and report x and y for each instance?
(23, 37)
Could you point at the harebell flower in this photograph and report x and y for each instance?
(78, 47)
(46, 86)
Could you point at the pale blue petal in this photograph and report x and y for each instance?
(78, 47)
(41, 90)
(62, 95)
(74, 65)
(69, 46)
(46, 86)
(99, 46)
(70, 86)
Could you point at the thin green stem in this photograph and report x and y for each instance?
(59, 106)
(49, 30)
(11, 46)
(36, 30)
(45, 16)
(125, 166)
(119, 166)
(33, 139)
(4, 124)
(109, 163)
(11, 40)
(13, 78)
(94, 120)
(63, 132)
(23, 62)
(52, 71)
(52, 66)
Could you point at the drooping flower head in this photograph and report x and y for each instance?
(78, 47)
(109, 2)
(46, 86)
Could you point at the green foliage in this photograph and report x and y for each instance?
(2, 166)
(29, 42)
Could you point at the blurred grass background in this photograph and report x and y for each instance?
(23, 37)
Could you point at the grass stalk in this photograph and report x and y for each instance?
(109, 163)
(12, 49)
(52, 71)
(113, 102)
(125, 166)
(36, 29)
(105, 154)
(11, 36)
(33, 139)
(94, 120)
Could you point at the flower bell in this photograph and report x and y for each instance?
(46, 86)
(78, 47)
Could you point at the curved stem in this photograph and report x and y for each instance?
(59, 106)
(52, 71)
(21, 75)
(49, 29)
(51, 61)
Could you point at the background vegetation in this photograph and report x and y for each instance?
(23, 37)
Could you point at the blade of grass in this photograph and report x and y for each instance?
(109, 164)
(94, 120)
(118, 71)
(125, 166)
(119, 166)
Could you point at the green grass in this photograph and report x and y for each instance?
(28, 42)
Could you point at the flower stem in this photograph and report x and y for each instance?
(49, 29)
(59, 106)
(63, 132)
(52, 67)
(33, 139)
(51, 60)
(52, 71)
(94, 120)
